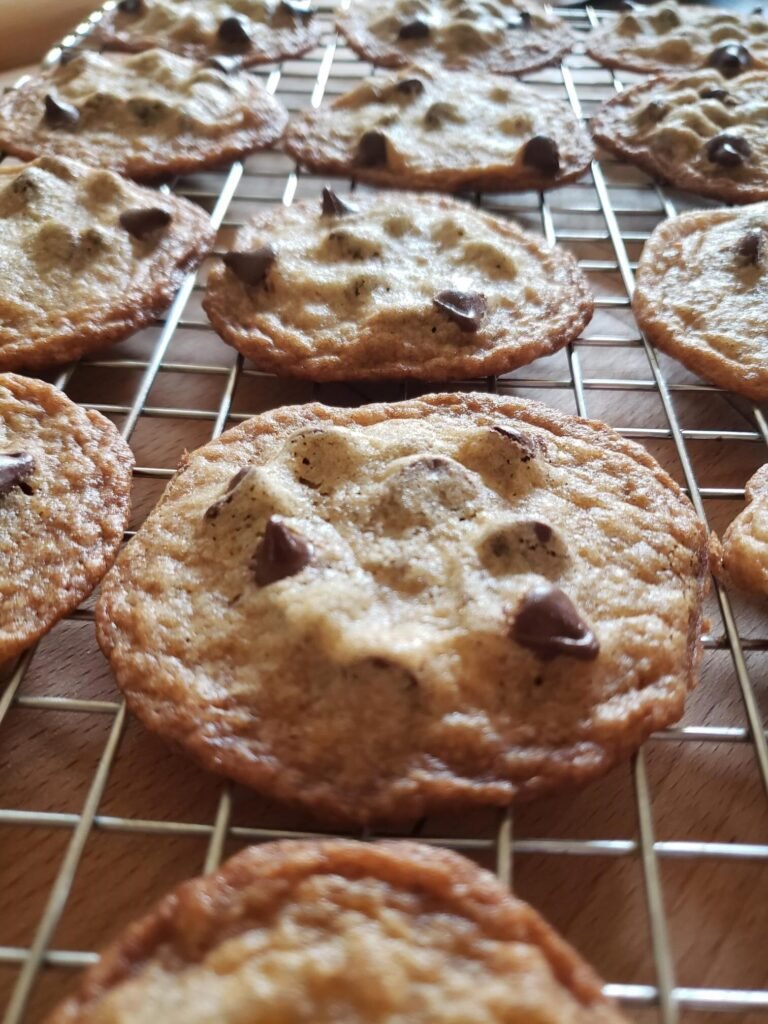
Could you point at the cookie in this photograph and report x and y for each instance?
(671, 37)
(446, 130)
(481, 35)
(245, 33)
(701, 295)
(145, 115)
(65, 484)
(86, 258)
(393, 285)
(700, 132)
(380, 612)
(743, 559)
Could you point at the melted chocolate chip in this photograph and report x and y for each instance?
(542, 153)
(15, 468)
(212, 511)
(142, 223)
(131, 6)
(372, 149)
(58, 113)
(251, 267)
(749, 248)
(547, 623)
(234, 31)
(282, 553)
(466, 309)
(410, 87)
(297, 10)
(655, 111)
(730, 59)
(523, 441)
(227, 65)
(416, 29)
(715, 94)
(728, 149)
(542, 530)
(335, 207)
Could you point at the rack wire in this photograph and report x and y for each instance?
(609, 373)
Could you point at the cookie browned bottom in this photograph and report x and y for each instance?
(325, 930)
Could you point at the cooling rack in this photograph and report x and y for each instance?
(658, 873)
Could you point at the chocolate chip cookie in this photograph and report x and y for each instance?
(65, 482)
(672, 37)
(701, 295)
(744, 554)
(241, 34)
(699, 131)
(445, 130)
(484, 35)
(393, 285)
(86, 258)
(145, 115)
(379, 612)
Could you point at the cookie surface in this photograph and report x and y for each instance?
(444, 130)
(86, 258)
(745, 542)
(670, 37)
(143, 115)
(65, 482)
(393, 285)
(700, 132)
(248, 31)
(484, 35)
(337, 930)
(461, 599)
(701, 295)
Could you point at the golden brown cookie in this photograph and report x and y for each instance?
(379, 612)
(669, 36)
(325, 931)
(86, 258)
(145, 115)
(701, 295)
(426, 128)
(699, 131)
(393, 285)
(482, 35)
(744, 555)
(65, 483)
(245, 32)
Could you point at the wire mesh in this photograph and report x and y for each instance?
(177, 374)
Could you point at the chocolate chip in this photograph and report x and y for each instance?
(714, 94)
(251, 267)
(131, 6)
(542, 530)
(416, 29)
(730, 59)
(58, 113)
(142, 223)
(655, 111)
(335, 207)
(410, 87)
(372, 149)
(542, 153)
(749, 248)
(548, 624)
(728, 149)
(15, 468)
(234, 31)
(67, 55)
(227, 65)
(466, 309)
(523, 441)
(523, 20)
(282, 553)
(297, 10)
(212, 511)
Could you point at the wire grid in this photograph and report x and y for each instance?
(333, 71)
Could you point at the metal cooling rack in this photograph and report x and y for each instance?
(604, 220)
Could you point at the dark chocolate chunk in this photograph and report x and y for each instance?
(251, 267)
(282, 553)
(542, 153)
(728, 149)
(415, 29)
(227, 65)
(131, 6)
(304, 11)
(58, 113)
(749, 249)
(548, 624)
(410, 87)
(234, 31)
(335, 207)
(525, 442)
(730, 59)
(15, 468)
(142, 223)
(372, 149)
(466, 309)
(714, 94)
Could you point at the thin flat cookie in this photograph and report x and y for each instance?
(699, 132)
(381, 612)
(86, 259)
(65, 484)
(245, 32)
(744, 555)
(393, 285)
(672, 37)
(425, 128)
(145, 115)
(479, 35)
(702, 295)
